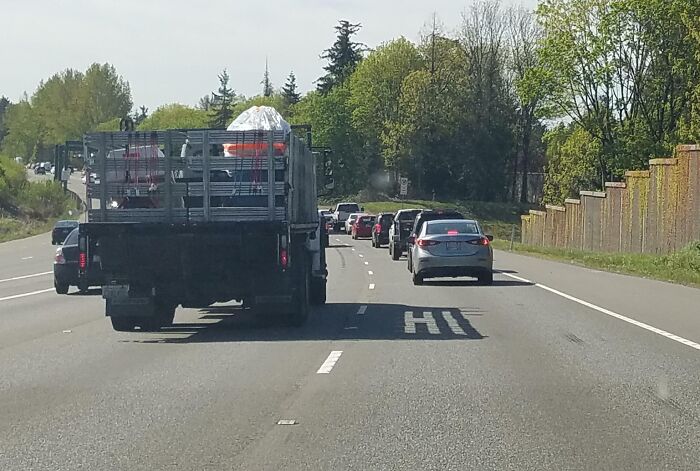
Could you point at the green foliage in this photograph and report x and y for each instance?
(343, 57)
(65, 107)
(44, 200)
(111, 125)
(268, 89)
(571, 163)
(175, 116)
(4, 105)
(13, 179)
(623, 70)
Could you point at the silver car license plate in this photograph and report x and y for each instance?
(453, 246)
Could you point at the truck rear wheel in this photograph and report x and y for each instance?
(300, 304)
(123, 324)
(318, 291)
(164, 317)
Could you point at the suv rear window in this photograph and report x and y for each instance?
(348, 208)
(408, 215)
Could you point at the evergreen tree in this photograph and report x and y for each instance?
(4, 105)
(266, 83)
(289, 91)
(205, 103)
(222, 103)
(342, 57)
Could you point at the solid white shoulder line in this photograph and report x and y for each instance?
(24, 295)
(24, 277)
(610, 313)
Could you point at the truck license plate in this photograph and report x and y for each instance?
(115, 291)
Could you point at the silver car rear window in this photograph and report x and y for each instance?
(447, 228)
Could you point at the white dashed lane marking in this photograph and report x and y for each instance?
(24, 295)
(366, 263)
(330, 362)
(24, 277)
(371, 286)
(362, 310)
(610, 313)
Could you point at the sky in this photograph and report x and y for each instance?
(173, 50)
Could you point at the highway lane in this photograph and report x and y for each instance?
(450, 375)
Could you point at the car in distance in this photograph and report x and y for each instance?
(61, 230)
(39, 169)
(67, 267)
(325, 219)
(452, 248)
(421, 218)
(342, 212)
(380, 231)
(363, 226)
(400, 230)
(350, 221)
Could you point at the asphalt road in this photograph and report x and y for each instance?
(553, 367)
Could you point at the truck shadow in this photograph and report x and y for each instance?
(330, 322)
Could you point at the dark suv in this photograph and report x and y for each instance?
(400, 230)
(380, 231)
(428, 215)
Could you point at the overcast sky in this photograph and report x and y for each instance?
(172, 50)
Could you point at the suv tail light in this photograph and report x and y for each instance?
(427, 242)
(60, 259)
(82, 260)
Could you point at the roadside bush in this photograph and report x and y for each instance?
(13, 179)
(44, 200)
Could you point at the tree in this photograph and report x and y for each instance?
(343, 57)
(222, 103)
(375, 89)
(175, 116)
(205, 103)
(4, 105)
(105, 95)
(486, 129)
(524, 36)
(571, 163)
(289, 90)
(266, 82)
(140, 115)
(24, 131)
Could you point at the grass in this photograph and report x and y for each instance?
(13, 229)
(680, 267)
(497, 219)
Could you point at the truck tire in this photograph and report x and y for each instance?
(61, 288)
(83, 287)
(164, 317)
(123, 324)
(299, 313)
(318, 291)
(395, 252)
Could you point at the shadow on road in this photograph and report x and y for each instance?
(467, 282)
(330, 322)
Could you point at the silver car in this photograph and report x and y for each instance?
(451, 248)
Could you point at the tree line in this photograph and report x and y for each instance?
(580, 89)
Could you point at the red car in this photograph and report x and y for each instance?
(362, 227)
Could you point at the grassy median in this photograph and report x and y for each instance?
(680, 267)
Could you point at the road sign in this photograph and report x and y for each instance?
(404, 186)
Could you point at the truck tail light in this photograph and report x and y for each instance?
(284, 259)
(82, 260)
(427, 242)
